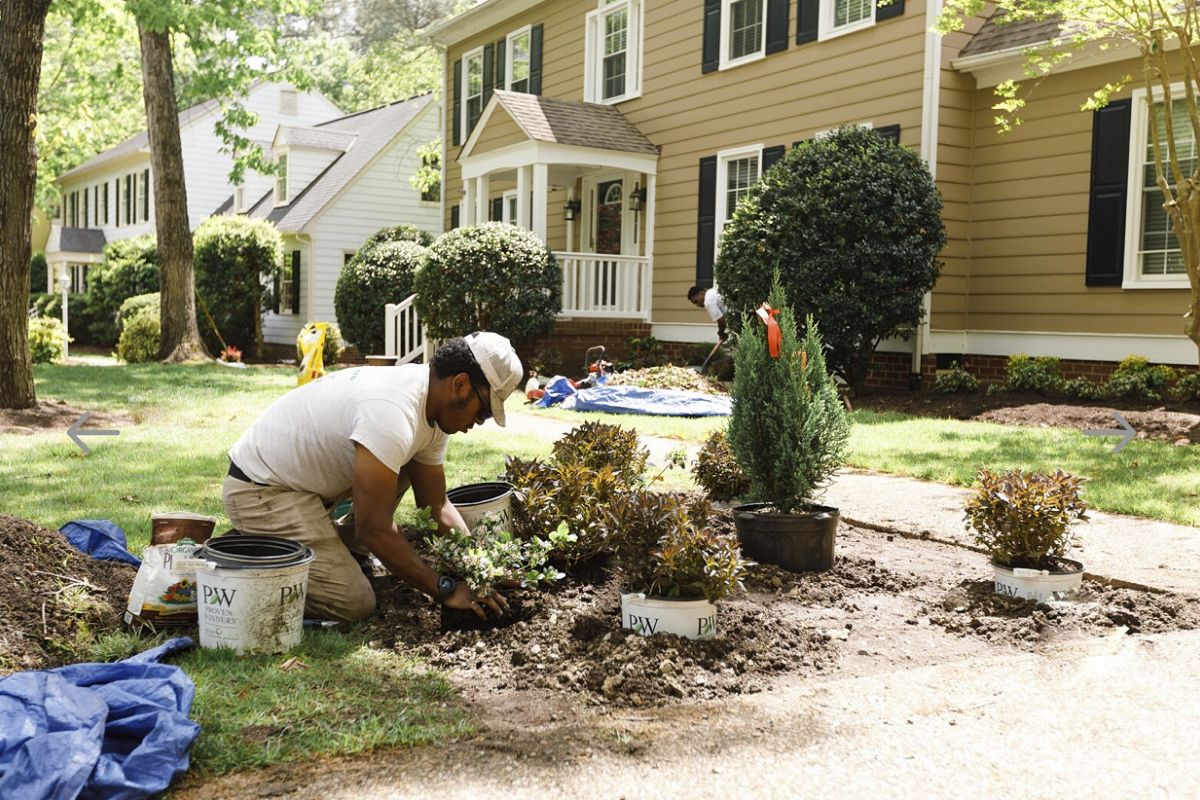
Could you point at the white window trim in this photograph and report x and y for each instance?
(726, 18)
(505, 216)
(593, 73)
(1139, 122)
(723, 159)
(466, 63)
(508, 54)
(239, 199)
(285, 308)
(826, 28)
(282, 201)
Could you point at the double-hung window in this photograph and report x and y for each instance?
(737, 171)
(845, 16)
(519, 56)
(281, 179)
(1153, 257)
(613, 57)
(472, 90)
(743, 31)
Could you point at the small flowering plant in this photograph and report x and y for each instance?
(231, 354)
(490, 556)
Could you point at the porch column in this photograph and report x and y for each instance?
(648, 244)
(468, 211)
(523, 180)
(481, 199)
(541, 188)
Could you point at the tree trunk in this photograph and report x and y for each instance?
(180, 335)
(22, 26)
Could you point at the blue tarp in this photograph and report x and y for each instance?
(556, 390)
(100, 539)
(116, 731)
(636, 400)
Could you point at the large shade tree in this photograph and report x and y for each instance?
(1163, 37)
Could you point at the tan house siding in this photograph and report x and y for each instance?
(502, 131)
(1030, 217)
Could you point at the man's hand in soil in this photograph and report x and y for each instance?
(463, 598)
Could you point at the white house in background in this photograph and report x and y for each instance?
(339, 182)
(109, 197)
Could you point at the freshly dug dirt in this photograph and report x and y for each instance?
(669, 377)
(1178, 423)
(54, 598)
(50, 414)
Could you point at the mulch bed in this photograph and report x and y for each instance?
(54, 597)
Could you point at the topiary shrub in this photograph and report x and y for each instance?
(716, 469)
(853, 224)
(1042, 375)
(236, 258)
(789, 429)
(494, 277)
(130, 268)
(139, 339)
(1136, 377)
(46, 340)
(378, 274)
(955, 379)
(139, 304)
(399, 233)
(38, 273)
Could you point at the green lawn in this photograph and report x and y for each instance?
(687, 429)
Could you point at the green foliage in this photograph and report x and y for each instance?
(331, 350)
(597, 445)
(1135, 377)
(46, 340)
(38, 274)
(717, 469)
(955, 379)
(80, 316)
(130, 268)
(1042, 375)
(853, 224)
(236, 258)
(140, 335)
(789, 429)
(428, 177)
(492, 277)
(487, 556)
(645, 351)
(1022, 519)
(1187, 388)
(399, 233)
(1084, 389)
(378, 274)
(142, 304)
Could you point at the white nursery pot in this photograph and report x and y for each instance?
(1037, 584)
(692, 619)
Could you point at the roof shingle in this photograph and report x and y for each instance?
(547, 119)
(997, 35)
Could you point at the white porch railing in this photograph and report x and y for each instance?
(404, 336)
(610, 286)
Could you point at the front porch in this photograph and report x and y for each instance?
(71, 253)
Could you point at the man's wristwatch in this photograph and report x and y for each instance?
(445, 587)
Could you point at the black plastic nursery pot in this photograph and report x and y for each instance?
(800, 542)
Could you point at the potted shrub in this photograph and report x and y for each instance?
(788, 432)
(675, 567)
(1023, 520)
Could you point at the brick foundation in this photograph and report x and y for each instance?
(564, 347)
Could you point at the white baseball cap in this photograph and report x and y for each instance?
(500, 366)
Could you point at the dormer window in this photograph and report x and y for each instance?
(281, 195)
(239, 199)
(612, 69)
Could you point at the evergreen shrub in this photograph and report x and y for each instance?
(1042, 375)
(717, 470)
(46, 340)
(149, 303)
(236, 259)
(38, 273)
(1136, 377)
(378, 274)
(955, 379)
(130, 268)
(139, 340)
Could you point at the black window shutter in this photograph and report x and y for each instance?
(129, 198)
(807, 13)
(456, 103)
(106, 202)
(278, 278)
(295, 281)
(535, 59)
(501, 55)
(777, 25)
(117, 202)
(454, 211)
(893, 9)
(769, 156)
(1106, 209)
(891, 132)
(706, 221)
(145, 194)
(498, 209)
(86, 208)
(488, 72)
(711, 48)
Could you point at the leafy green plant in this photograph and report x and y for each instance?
(81, 316)
(379, 273)
(138, 304)
(493, 277)
(597, 445)
(853, 224)
(1084, 389)
(547, 495)
(139, 339)
(1042, 375)
(645, 351)
(46, 340)
(695, 561)
(1136, 377)
(789, 430)
(717, 470)
(37, 273)
(236, 258)
(489, 555)
(399, 233)
(1186, 388)
(129, 268)
(1023, 519)
(955, 379)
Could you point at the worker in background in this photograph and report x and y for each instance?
(712, 302)
(369, 433)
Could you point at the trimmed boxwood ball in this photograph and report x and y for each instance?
(494, 277)
(399, 233)
(378, 274)
(853, 224)
(139, 339)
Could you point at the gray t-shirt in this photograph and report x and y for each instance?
(305, 439)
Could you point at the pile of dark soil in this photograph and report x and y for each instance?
(55, 599)
(973, 608)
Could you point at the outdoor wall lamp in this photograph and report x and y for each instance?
(637, 199)
(571, 210)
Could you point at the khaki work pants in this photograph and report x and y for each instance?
(337, 587)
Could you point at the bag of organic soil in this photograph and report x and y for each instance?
(164, 591)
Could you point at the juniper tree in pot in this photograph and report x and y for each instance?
(789, 433)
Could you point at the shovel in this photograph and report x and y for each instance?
(711, 353)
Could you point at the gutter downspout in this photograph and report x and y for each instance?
(930, 100)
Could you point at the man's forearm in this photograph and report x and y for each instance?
(447, 517)
(400, 558)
